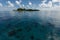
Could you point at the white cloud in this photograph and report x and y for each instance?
(50, 4)
(44, 0)
(30, 3)
(10, 4)
(55, 0)
(43, 4)
(1, 5)
(17, 2)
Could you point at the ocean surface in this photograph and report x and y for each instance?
(30, 25)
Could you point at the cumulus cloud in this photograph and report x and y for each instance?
(1, 5)
(18, 3)
(44, 1)
(55, 0)
(10, 4)
(43, 4)
(30, 3)
(50, 4)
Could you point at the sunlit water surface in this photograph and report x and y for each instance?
(34, 25)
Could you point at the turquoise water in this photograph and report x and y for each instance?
(39, 25)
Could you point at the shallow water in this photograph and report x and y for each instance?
(39, 25)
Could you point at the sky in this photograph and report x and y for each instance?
(17, 2)
(29, 3)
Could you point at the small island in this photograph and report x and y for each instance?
(23, 9)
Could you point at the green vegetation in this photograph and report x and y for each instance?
(23, 9)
